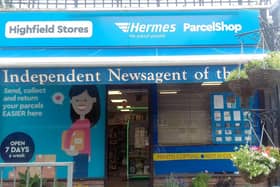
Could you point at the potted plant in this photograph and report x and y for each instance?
(256, 164)
(201, 180)
(172, 181)
(264, 73)
(26, 180)
(239, 84)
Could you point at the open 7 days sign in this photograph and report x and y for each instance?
(125, 75)
(17, 147)
(72, 29)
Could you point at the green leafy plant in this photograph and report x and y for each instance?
(31, 181)
(271, 61)
(34, 181)
(201, 180)
(256, 161)
(237, 74)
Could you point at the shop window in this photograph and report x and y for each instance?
(184, 116)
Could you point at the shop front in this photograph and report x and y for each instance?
(129, 95)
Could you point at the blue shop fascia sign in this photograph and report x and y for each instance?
(115, 75)
(122, 29)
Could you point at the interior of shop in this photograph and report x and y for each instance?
(128, 137)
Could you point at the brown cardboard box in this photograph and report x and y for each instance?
(48, 171)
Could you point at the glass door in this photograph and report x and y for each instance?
(128, 121)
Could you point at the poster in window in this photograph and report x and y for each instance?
(228, 138)
(218, 101)
(238, 138)
(229, 120)
(231, 101)
(219, 139)
(236, 115)
(227, 116)
(217, 116)
(248, 132)
(248, 138)
(228, 132)
(218, 132)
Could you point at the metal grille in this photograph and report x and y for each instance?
(90, 4)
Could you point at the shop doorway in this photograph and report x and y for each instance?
(128, 137)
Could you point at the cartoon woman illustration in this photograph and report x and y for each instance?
(85, 112)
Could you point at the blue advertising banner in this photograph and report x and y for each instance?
(114, 75)
(42, 123)
(119, 29)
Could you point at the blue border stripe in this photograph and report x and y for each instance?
(193, 166)
(119, 52)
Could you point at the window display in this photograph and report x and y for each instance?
(230, 123)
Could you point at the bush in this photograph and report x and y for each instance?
(201, 180)
(237, 74)
(271, 61)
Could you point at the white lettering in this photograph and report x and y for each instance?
(212, 27)
(198, 75)
(17, 143)
(113, 75)
(43, 78)
(153, 28)
(157, 77)
(48, 29)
